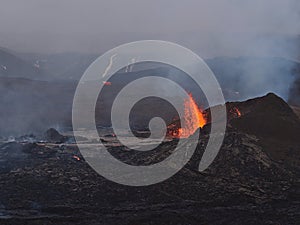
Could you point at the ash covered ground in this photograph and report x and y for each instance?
(253, 180)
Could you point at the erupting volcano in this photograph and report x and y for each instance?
(193, 119)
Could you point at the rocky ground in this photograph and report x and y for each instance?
(250, 182)
(296, 110)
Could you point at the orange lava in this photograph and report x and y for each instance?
(194, 118)
(236, 112)
(107, 83)
(76, 157)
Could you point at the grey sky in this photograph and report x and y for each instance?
(214, 27)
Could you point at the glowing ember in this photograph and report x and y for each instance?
(236, 112)
(76, 157)
(193, 119)
(107, 83)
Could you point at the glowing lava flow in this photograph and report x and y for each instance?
(76, 157)
(236, 112)
(194, 118)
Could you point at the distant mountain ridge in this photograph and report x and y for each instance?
(240, 77)
(13, 66)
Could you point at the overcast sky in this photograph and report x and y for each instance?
(213, 27)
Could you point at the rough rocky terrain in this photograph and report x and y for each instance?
(250, 181)
(296, 110)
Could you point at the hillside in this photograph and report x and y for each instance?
(50, 183)
(273, 122)
(296, 110)
(12, 66)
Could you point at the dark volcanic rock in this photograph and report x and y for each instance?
(54, 136)
(273, 121)
(38, 150)
(296, 110)
(243, 186)
(246, 183)
(268, 116)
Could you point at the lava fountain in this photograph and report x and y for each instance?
(193, 119)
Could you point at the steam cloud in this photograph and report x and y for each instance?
(252, 46)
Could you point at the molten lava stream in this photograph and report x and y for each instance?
(193, 119)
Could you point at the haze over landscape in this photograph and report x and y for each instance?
(253, 49)
(211, 28)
